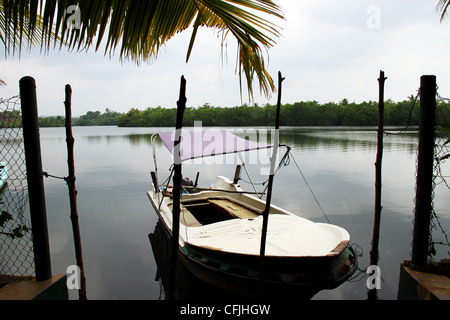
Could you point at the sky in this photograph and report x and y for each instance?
(328, 50)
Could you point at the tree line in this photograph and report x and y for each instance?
(91, 118)
(308, 113)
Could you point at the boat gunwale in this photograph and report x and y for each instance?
(165, 216)
(191, 260)
(228, 279)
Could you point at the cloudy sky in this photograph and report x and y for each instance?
(329, 50)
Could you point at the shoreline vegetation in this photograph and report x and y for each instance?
(309, 113)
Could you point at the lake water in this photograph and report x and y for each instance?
(113, 175)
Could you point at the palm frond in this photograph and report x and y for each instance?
(250, 31)
(443, 6)
(140, 28)
(21, 23)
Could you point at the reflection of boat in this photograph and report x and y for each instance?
(3, 174)
(188, 286)
(221, 226)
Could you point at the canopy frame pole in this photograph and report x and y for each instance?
(177, 176)
(269, 191)
(167, 185)
(288, 150)
(152, 139)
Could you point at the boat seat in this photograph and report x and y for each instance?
(233, 209)
(186, 217)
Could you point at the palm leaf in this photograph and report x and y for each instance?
(246, 29)
(21, 22)
(140, 28)
(443, 6)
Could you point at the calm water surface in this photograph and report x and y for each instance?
(113, 175)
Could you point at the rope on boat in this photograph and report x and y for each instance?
(248, 175)
(360, 273)
(307, 184)
(285, 161)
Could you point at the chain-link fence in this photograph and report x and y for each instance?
(440, 169)
(16, 247)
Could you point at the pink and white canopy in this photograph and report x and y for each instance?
(197, 144)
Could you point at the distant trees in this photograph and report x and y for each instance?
(91, 118)
(108, 118)
(309, 113)
(151, 117)
(56, 121)
(306, 113)
(10, 119)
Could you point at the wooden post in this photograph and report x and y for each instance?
(237, 174)
(196, 179)
(38, 211)
(155, 181)
(269, 190)
(425, 159)
(73, 193)
(181, 105)
(378, 164)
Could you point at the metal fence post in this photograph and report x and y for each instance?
(38, 213)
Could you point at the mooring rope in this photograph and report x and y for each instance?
(68, 180)
(312, 192)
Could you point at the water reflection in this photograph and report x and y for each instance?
(188, 286)
(113, 175)
(344, 138)
(302, 138)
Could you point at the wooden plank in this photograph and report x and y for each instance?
(186, 217)
(233, 209)
(418, 285)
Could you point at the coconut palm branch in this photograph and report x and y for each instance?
(443, 6)
(138, 29)
(18, 26)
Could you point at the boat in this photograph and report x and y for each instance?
(221, 226)
(3, 174)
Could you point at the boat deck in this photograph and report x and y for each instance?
(226, 219)
(233, 209)
(212, 210)
(186, 217)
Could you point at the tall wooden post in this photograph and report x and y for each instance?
(425, 159)
(38, 211)
(269, 190)
(378, 171)
(181, 105)
(73, 193)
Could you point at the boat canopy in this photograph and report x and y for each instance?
(197, 144)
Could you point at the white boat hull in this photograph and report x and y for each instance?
(298, 251)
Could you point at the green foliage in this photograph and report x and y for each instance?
(4, 217)
(446, 130)
(17, 232)
(137, 30)
(309, 113)
(91, 118)
(10, 119)
(305, 113)
(57, 121)
(108, 118)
